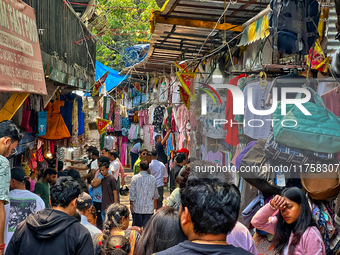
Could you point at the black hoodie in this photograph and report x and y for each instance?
(50, 232)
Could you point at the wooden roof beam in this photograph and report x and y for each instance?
(197, 23)
(246, 2)
(173, 7)
(207, 8)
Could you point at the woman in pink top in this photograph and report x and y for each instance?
(294, 228)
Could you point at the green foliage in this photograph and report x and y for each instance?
(121, 28)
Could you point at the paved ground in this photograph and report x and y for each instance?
(125, 200)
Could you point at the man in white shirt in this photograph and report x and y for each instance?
(114, 167)
(158, 170)
(22, 202)
(84, 205)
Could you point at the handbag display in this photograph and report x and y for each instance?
(324, 185)
(26, 113)
(249, 212)
(256, 170)
(42, 123)
(277, 151)
(318, 132)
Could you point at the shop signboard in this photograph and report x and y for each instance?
(21, 67)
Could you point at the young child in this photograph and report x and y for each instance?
(109, 188)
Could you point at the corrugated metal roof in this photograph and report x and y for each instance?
(333, 44)
(170, 43)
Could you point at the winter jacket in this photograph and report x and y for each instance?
(311, 242)
(50, 232)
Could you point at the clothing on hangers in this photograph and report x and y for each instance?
(332, 101)
(257, 126)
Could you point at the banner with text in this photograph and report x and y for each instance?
(21, 68)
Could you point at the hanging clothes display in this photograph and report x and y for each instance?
(117, 120)
(86, 117)
(257, 126)
(56, 128)
(158, 116)
(332, 101)
(74, 142)
(214, 112)
(232, 130)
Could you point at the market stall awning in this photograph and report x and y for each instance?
(182, 26)
(256, 28)
(113, 79)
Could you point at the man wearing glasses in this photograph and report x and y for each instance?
(143, 154)
(9, 138)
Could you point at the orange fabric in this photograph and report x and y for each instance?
(132, 240)
(56, 128)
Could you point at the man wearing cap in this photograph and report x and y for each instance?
(84, 205)
(22, 202)
(184, 150)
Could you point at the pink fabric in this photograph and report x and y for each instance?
(146, 117)
(181, 141)
(216, 158)
(241, 237)
(151, 130)
(132, 132)
(124, 145)
(125, 139)
(236, 154)
(52, 147)
(173, 123)
(331, 100)
(32, 185)
(183, 117)
(141, 118)
(193, 120)
(121, 170)
(310, 243)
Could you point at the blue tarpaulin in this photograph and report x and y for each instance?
(135, 54)
(112, 80)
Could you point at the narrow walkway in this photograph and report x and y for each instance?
(125, 199)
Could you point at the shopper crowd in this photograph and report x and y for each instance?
(200, 216)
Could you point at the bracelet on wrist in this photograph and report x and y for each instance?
(2, 247)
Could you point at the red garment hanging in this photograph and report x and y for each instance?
(231, 137)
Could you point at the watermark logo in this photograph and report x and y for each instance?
(238, 99)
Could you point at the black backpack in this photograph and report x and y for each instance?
(294, 25)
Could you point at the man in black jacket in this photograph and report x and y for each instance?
(54, 230)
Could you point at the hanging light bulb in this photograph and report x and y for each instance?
(217, 76)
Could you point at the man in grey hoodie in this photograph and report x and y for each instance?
(54, 230)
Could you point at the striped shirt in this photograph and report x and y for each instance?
(143, 191)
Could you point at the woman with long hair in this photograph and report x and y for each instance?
(116, 245)
(117, 223)
(161, 232)
(294, 228)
